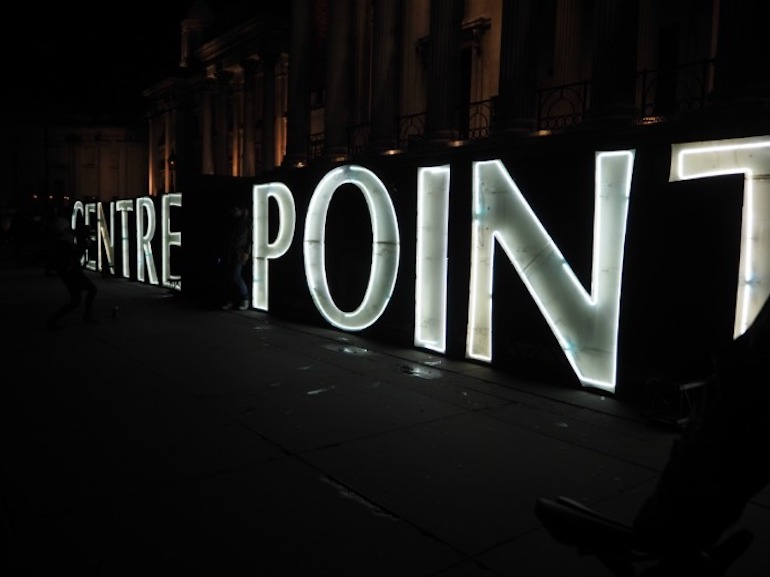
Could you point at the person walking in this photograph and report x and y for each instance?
(67, 254)
(237, 257)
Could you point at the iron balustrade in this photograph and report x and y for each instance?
(480, 117)
(661, 93)
(411, 129)
(315, 145)
(559, 107)
(674, 90)
(358, 138)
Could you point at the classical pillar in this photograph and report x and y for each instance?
(298, 113)
(567, 49)
(338, 71)
(268, 112)
(385, 77)
(249, 166)
(742, 77)
(613, 90)
(235, 128)
(208, 89)
(181, 145)
(222, 123)
(647, 49)
(168, 146)
(515, 109)
(442, 114)
(281, 106)
(152, 138)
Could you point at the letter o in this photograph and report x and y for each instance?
(385, 247)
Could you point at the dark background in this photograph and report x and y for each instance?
(76, 57)
(85, 57)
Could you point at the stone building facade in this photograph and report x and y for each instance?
(329, 80)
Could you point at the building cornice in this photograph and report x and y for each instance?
(254, 37)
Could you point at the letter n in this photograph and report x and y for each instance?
(585, 324)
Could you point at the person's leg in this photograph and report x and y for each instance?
(718, 464)
(73, 289)
(230, 290)
(90, 288)
(240, 283)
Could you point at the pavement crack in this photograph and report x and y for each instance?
(347, 493)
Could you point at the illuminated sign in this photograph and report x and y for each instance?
(750, 157)
(585, 323)
(430, 298)
(385, 248)
(92, 214)
(584, 320)
(263, 248)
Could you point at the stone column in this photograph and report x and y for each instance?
(152, 186)
(298, 113)
(208, 89)
(567, 49)
(249, 166)
(182, 141)
(647, 48)
(338, 71)
(385, 76)
(168, 145)
(742, 77)
(235, 125)
(442, 114)
(613, 89)
(268, 112)
(281, 106)
(515, 109)
(221, 130)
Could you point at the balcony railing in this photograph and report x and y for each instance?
(674, 90)
(660, 94)
(559, 107)
(480, 117)
(358, 137)
(315, 145)
(411, 129)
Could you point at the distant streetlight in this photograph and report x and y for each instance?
(172, 171)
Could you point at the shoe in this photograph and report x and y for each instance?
(227, 306)
(244, 306)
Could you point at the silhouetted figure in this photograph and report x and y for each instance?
(54, 227)
(717, 465)
(236, 259)
(721, 459)
(67, 255)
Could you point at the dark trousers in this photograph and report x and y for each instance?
(76, 283)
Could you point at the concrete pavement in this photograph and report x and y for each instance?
(175, 440)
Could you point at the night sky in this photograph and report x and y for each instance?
(93, 57)
(97, 58)
(82, 56)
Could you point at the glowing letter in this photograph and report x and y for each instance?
(385, 247)
(263, 248)
(431, 265)
(104, 238)
(90, 208)
(170, 239)
(586, 325)
(143, 247)
(124, 207)
(77, 207)
(750, 157)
